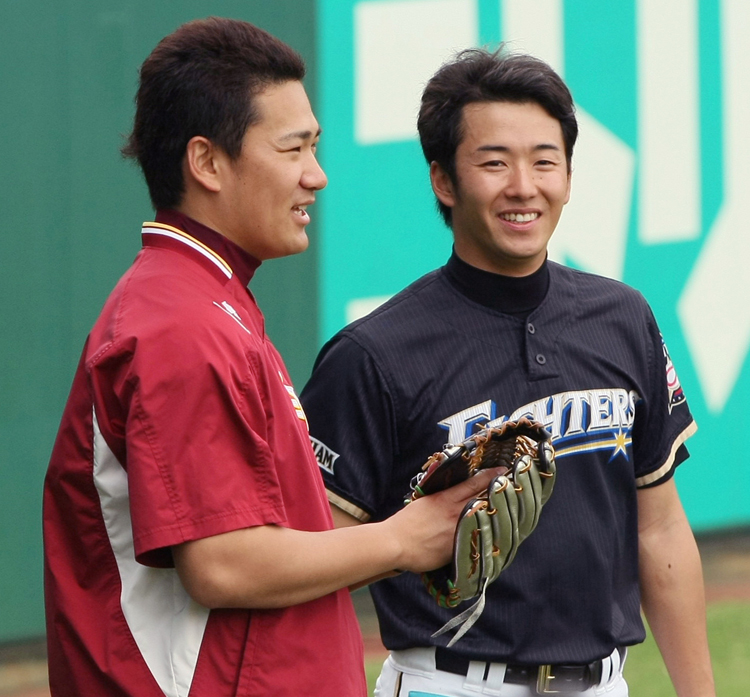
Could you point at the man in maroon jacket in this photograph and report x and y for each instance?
(189, 547)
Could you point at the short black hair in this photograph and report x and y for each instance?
(478, 75)
(201, 80)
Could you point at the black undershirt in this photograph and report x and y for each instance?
(512, 295)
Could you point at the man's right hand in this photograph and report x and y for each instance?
(425, 528)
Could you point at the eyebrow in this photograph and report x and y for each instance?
(300, 135)
(505, 148)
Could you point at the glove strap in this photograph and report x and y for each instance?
(466, 619)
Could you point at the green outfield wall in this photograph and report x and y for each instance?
(71, 214)
(658, 180)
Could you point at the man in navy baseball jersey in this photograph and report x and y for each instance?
(189, 546)
(500, 332)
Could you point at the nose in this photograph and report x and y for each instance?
(521, 184)
(314, 177)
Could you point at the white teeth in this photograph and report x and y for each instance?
(519, 217)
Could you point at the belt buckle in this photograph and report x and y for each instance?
(543, 679)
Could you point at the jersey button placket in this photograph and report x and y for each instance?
(536, 357)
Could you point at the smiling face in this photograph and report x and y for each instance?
(265, 192)
(511, 183)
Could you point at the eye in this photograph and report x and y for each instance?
(547, 164)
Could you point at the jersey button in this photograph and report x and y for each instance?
(540, 359)
(531, 328)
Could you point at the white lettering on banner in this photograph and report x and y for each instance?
(668, 124)
(393, 61)
(523, 31)
(713, 309)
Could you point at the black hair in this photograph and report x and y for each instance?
(201, 80)
(477, 75)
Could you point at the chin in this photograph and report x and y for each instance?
(302, 245)
(294, 247)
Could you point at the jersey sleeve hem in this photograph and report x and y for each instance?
(348, 507)
(149, 547)
(665, 469)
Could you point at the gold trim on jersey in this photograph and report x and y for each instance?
(651, 477)
(182, 236)
(348, 507)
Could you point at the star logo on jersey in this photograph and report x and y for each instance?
(622, 440)
(593, 441)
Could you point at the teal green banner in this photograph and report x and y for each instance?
(658, 175)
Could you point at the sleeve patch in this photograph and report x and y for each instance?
(676, 394)
(325, 456)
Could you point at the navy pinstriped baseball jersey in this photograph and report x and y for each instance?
(432, 364)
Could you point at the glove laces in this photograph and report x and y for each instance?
(466, 619)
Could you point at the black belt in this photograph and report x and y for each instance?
(545, 679)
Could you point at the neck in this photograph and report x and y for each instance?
(203, 213)
(512, 295)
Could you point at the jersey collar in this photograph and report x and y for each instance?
(511, 295)
(172, 227)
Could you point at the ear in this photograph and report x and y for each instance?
(202, 162)
(567, 193)
(442, 185)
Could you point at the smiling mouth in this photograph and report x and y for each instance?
(519, 217)
(301, 213)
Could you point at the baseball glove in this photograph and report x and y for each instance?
(492, 525)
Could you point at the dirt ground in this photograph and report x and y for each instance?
(726, 569)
